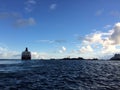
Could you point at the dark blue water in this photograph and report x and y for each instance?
(59, 75)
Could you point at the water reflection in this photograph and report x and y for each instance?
(10, 61)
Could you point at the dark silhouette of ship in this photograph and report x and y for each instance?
(26, 55)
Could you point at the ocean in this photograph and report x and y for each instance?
(59, 75)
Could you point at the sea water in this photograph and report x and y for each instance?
(59, 75)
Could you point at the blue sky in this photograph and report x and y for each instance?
(59, 28)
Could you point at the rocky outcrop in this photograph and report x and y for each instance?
(116, 57)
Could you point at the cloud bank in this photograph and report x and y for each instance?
(5, 53)
(103, 43)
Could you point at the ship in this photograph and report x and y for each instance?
(26, 55)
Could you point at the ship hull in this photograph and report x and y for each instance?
(26, 58)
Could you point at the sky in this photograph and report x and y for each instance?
(59, 28)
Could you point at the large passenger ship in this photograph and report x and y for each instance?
(26, 55)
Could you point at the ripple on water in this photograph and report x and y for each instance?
(60, 75)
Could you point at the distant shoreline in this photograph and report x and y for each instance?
(67, 59)
(63, 59)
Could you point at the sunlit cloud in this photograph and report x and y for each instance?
(86, 49)
(107, 26)
(41, 55)
(63, 49)
(106, 41)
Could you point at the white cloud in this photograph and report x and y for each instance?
(62, 50)
(98, 37)
(3, 49)
(5, 53)
(107, 26)
(107, 42)
(110, 49)
(31, 1)
(36, 55)
(25, 22)
(86, 49)
(30, 5)
(53, 6)
(93, 38)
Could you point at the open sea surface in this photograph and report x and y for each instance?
(59, 75)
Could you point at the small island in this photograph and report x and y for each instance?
(68, 58)
(116, 57)
(78, 58)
